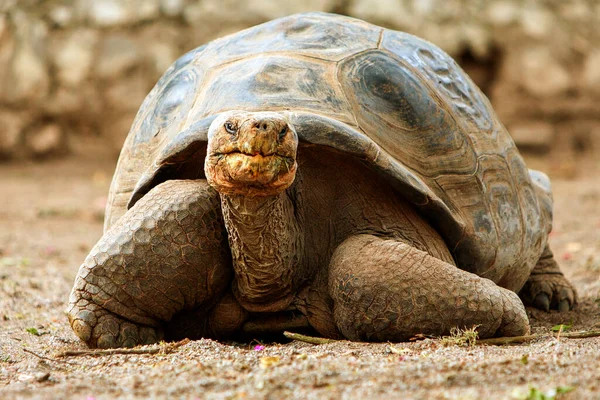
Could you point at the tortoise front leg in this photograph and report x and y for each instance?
(167, 254)
(387, 290)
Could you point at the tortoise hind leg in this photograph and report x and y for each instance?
(384, 289)
(166, 255)
(547, 288)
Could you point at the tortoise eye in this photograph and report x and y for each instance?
(282, 132)
(230, 127)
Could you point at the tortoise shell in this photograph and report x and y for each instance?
(395, 101)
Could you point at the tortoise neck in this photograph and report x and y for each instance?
(266, 241)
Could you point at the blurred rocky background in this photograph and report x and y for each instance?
(76, 71)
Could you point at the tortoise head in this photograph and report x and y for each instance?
(251, 153)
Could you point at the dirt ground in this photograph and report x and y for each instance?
(50, 216)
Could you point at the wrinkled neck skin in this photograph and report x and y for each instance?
(266, 241)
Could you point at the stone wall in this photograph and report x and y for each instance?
(76, 69)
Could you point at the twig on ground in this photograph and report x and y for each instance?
(581, 335)
(47, 358)
(308, 339)
(165, 348)
(508, 340)
(526, 338)
(491, 341)
(108, 352)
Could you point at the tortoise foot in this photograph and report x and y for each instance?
(547, 288)
(103, 329)
(551, 291)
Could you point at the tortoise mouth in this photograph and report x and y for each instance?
(240, 173)
(255, 156)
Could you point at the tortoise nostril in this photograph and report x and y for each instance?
(262, 125)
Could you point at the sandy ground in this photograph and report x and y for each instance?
(50, 216)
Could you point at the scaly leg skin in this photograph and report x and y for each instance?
(386, 290)
(547, 288)
(166, 255)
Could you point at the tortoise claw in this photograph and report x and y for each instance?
(564, 305)
(549, 292)
(542, 301)
(103, 329)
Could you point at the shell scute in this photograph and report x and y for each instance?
(273, 82)
(317, 35)
(445, 77)
(172, 104)
(502, 203)
(475, 246)
(397, 110)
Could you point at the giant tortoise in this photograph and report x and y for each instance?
(317, 172)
